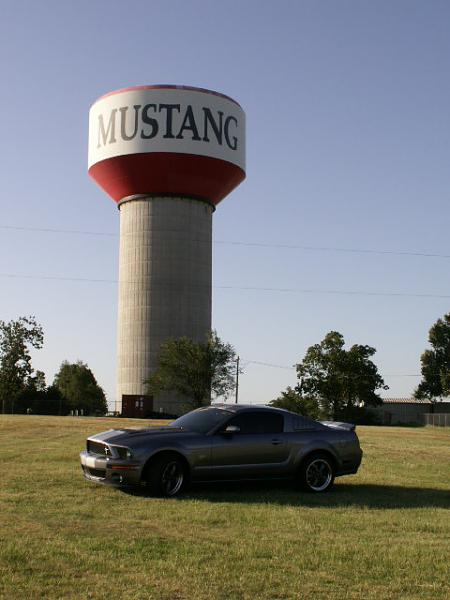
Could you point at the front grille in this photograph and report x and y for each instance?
(97, 473)
(98, 448)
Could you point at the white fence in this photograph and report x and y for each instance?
(437, 419)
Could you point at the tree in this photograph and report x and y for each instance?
(195, 370)
(16, 338)
(339, 379)
(47, 401)
(79, 388)
(293, 400)
(37, 381)
(435, 363)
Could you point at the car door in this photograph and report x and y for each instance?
(260, 448)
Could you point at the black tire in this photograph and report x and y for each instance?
(165, 476)
(317, 473)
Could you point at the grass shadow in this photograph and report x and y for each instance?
(348, 495)
(357, 495)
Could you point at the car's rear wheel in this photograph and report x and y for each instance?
(165, 475)
(317, 473)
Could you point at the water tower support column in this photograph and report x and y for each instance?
(164, 286)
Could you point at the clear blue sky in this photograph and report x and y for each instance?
(348, 139)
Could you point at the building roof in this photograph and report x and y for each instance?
(404, 401)
(445, 400)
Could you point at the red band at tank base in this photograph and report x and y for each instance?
(170, 174)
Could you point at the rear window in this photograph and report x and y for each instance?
(301, 423)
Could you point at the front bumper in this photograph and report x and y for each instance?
(110, 471)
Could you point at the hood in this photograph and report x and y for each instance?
(123, 437)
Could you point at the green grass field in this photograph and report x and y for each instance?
(381, 534)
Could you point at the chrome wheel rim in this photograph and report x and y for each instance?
(172, 478)
(319, 474)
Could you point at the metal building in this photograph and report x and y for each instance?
(167, 155)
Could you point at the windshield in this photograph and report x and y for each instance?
(202, 420)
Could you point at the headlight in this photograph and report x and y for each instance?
(124, 453)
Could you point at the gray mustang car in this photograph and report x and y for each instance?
(224, 443)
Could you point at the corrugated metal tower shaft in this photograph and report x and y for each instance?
(164, 284)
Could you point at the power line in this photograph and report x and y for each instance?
(52, 230)
(336, 249)
(338, 292)
(56, 278)
(275, 366)
(403, 375)
(246, 244)
(247, 361)
(243, 288)
(265, 364)
(249, 288)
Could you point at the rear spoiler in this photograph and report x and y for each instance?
(338, 425)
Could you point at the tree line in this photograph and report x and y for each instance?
(342, 384)
(332, 382)
(24, 390)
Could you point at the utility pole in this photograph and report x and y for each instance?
(237, 380)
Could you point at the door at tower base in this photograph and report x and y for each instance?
(137, 407)
(166, 406)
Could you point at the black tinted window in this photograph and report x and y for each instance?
(259, 422)
(301, 422)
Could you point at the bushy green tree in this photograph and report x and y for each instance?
(47, 401)
(435, 363)
(79, 388)
(339, 379)
(16, 339)
(291, 399)
(195, 370)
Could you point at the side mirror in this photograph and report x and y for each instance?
(232, 429)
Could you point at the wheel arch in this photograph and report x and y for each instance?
(169, 452)
(319, 450)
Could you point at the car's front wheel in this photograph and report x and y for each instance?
(165, 475)
(317, 473)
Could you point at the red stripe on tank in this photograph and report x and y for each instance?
(161, 173)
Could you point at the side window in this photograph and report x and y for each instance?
(300, 423)
(236, 422)
(258, 422)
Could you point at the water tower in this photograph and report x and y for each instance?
(167, 155)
